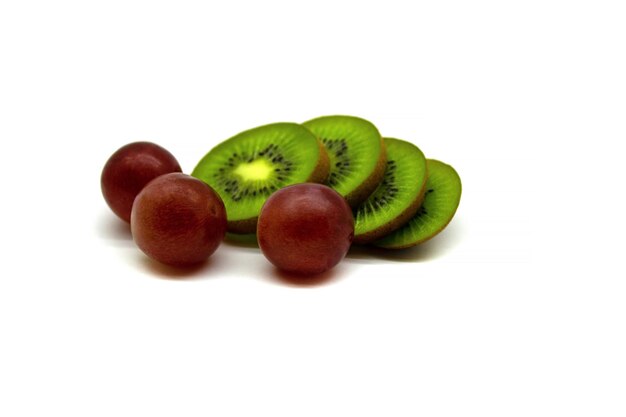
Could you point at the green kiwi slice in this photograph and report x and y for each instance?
(357, 155)
(397, 198)
(247, 168)
(441, 199)
(247, 240)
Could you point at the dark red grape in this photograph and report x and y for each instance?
(129, 169)
(305, 228)
(178, 220)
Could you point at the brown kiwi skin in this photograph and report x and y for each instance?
(397, 223)
(322, 170)
(319, 175)
(363, 191)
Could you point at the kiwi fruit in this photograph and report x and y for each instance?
(247, 168)
(357, 155)
(398, 197)
(441, 199)
(247, 240)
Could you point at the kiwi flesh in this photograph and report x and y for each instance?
(357, 155)
(398, 197)
(441, 200)
(247, 168)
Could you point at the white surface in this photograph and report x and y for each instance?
(517, 309)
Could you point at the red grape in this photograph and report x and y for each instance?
(305, 228)
(129, 169)
(178, 220)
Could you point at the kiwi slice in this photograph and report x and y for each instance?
(399, 195)
(357, 155)
(247, 168)
(441, 199)
(247, 240)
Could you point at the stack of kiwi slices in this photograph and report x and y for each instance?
(399, 198)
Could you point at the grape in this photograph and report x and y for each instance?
(129, 169)
(178, 220)
(305, 228)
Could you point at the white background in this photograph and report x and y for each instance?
(517, 309)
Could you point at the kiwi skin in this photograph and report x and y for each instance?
(319, 175)
(398, 222)
(322, 170)
(363, 191)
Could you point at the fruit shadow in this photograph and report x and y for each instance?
(424, 252)
(159, 270)
(114, 230)
(277, 276)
